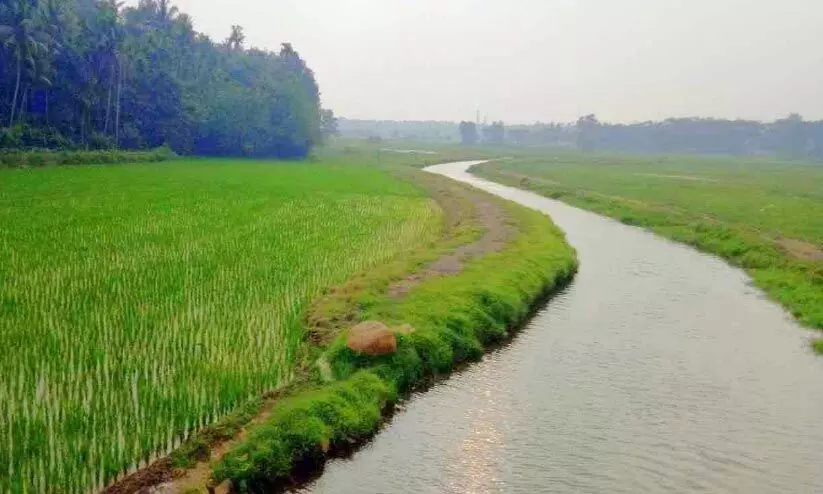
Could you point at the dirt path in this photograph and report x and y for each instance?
(460, 204)
(463, 206)
(799, 249)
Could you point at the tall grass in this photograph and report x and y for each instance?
(140, 303)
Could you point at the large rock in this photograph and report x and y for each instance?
(372, 338)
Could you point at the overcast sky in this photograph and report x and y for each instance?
(549, 60)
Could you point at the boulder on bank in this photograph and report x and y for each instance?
(372, 338)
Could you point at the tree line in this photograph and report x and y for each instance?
(429, 131)
(91, 74)
(790, 137)
(472, 133)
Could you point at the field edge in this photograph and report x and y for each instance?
(457, 318)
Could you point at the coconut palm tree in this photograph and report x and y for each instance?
(236, 38)
(21, 38)
(166, 12)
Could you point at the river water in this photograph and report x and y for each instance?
(659, 369)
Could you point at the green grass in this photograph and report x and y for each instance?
(455, 319)
(140, 303)
(746, 210)
(357, 152)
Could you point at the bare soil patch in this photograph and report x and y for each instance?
(460, 204)
(799, 249)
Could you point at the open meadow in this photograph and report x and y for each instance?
(761, 214)
(141, 302)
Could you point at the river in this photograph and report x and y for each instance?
(659, 369)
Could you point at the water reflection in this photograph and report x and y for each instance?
(477, 460)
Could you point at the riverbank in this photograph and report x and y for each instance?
(659, 369)
(759, 217)
(447, 302)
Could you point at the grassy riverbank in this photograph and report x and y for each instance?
(761, 215)
(454, 317)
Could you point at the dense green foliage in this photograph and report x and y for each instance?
(91, 74)
(455, 318)
(139, 303)
(761, 215)
(34, 158)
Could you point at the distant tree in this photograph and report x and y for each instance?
(587, 132)
(790, 137)
(166, 12)
(328, 124)
(468, 133)
(495, 134)
(19, 34)
(236, 38)
(816, 139)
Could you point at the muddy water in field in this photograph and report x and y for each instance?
(659, 369)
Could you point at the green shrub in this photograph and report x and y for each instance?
(101, 142)
(37, 158)
(304, 427)
(11, 138)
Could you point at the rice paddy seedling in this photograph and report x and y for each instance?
(139, 303)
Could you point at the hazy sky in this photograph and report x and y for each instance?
(549, 60)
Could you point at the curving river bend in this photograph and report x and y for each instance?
(659, 369)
